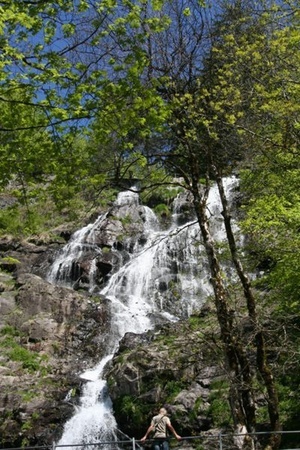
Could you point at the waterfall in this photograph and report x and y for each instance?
(64, 271)
(93, 420)
(165, 279)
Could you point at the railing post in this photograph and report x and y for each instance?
(133, 443)
(220, 442)
(53, 446)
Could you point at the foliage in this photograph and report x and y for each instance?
(162, 210)
(132, 410)
(219, 407)
(272, 223)
(10, 260)
(28, 359)
(9, 330)
(173, 388)
(266, 118)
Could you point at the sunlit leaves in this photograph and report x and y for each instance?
(273, 217)
(25, 152)
(11, 15)
(157, 4)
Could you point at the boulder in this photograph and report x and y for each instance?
(169, 366)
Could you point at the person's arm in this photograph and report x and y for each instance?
(151, 427)
(171, 428)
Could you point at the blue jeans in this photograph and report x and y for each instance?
(160, 444)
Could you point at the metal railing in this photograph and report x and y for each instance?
(205, 441)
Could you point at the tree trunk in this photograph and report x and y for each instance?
(238, 366)
(261, 357)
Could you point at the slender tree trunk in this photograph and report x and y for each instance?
(261, 357)
(237, 362)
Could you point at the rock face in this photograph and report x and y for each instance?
(170, 366)
(48, 336)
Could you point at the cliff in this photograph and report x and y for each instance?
(54, 328)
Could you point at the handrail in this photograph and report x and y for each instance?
(135, 442)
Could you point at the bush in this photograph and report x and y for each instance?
(29, 360)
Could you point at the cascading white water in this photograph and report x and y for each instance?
(93, 420)
(169, 261)
(63, 270)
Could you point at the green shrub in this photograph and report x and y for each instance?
(10, 260)
(10, 221)
(219, 405)
(162, 210)
(8, 341)
(173, 388)
(8, 330)
(27, 396)
(30, 360)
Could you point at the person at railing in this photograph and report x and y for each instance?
(159, 425)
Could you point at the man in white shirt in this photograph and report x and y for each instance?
(160, 424)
